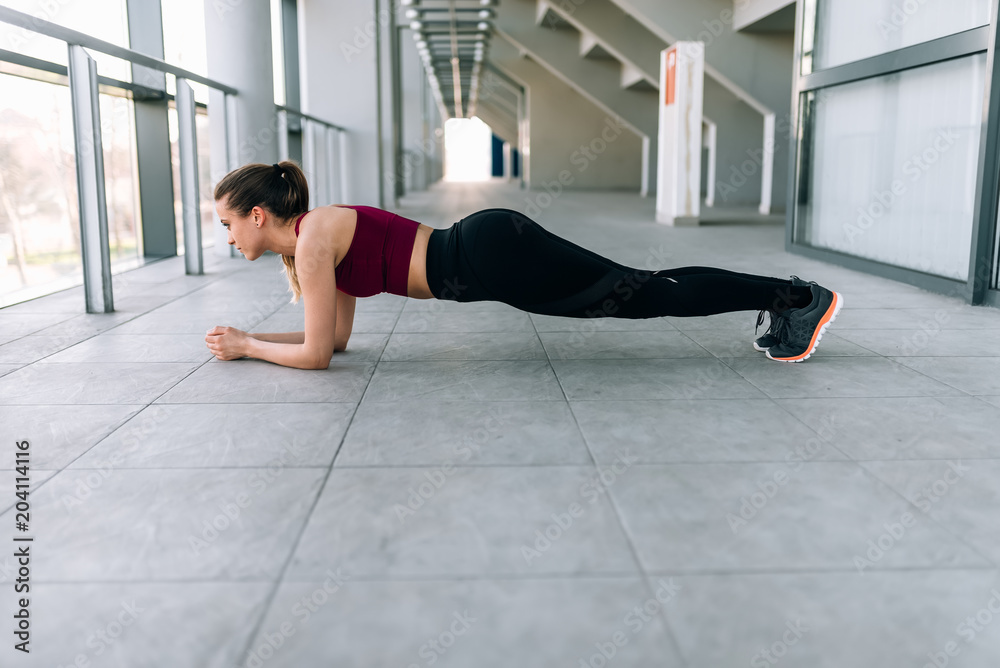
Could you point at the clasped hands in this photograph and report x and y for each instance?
(227, 343)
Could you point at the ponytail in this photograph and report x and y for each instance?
(280, 188)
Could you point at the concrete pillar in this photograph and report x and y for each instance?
(238, 52)
(413, 84)
(152, 136)
(339, 83)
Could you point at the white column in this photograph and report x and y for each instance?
(239, 54)
(187, 149)
(90, 181)
(678, 192)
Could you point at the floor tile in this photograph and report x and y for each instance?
(926, 342)
(159, 322)
(59, 434)
(975, 375)
(725, 343)
(422, 433)
(136, 348)
(776, 516)
(467, 320)
(449, 521)
(554, 323)
(224, 435)
(363, 348)
(482, 623)
(208, 524)
(9, 368)
(31, 348)
(710, 430)
(87, 383)
(602, 380)
(905, 427)
(107, 624)
(403, 347)
(36, 475)
(374, 321)
(474, 380)
(962, 496)
(20, 324)
(828, 620)
(256, 381)
(620, 345)
(838, 377)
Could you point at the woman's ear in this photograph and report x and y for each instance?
(257, 213)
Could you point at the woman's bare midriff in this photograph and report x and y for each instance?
(416, 283)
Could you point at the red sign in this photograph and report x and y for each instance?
(670, 89)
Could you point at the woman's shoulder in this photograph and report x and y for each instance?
(327, 229)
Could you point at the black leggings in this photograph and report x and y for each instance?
(502, 255)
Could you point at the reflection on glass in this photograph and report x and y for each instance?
(204, 177)
(889, 168)
(849, 30)
(184, 42)
(103, 19)
(39, 210)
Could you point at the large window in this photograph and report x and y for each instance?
(204, 179)
(889, 132)
(184, 41)
(39, 211)
(849, 30)
(104, 19)
(893, 171)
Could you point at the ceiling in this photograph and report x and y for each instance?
(452, 37)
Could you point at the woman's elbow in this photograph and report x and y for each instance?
(320, 360)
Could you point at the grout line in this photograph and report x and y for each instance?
(269, 599)
(526, 577)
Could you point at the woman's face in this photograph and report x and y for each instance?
(242, 230)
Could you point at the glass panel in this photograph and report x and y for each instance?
(995, 281)
(849, 30)
(39, 227)
(103, 19)
(184, 42)
(204, 177)
(121, 183)
(39, 210)
(889, 167)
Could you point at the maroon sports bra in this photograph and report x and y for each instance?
(378, 259)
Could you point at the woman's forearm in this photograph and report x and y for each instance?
(281, 337)
(295, 355)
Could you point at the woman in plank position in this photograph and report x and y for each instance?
(334, 254)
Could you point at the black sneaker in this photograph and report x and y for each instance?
(762, 343)
(800, 329)
(768, 339)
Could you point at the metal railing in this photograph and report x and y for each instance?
(334, 139)
(83, 84)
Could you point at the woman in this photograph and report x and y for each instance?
(334, 254)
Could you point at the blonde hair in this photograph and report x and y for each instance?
(281, 189)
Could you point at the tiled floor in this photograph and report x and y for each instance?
(471, 485)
